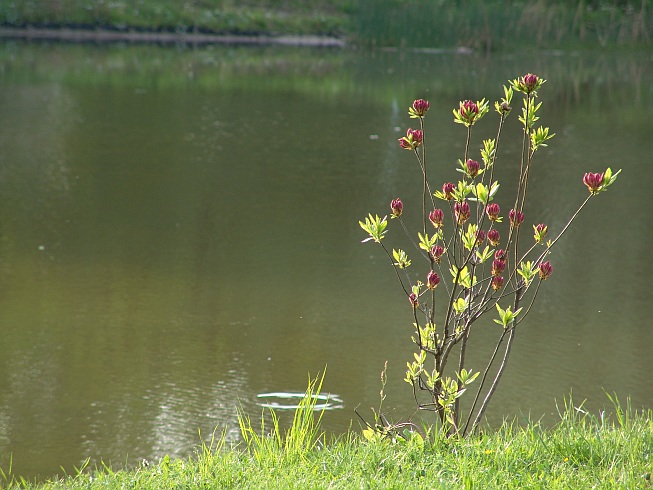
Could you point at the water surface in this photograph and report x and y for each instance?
(179, 233)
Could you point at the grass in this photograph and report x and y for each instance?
(496, 25)
(479, 24)
(581, 451)
(225, 17)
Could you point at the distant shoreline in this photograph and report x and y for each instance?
(191, 38)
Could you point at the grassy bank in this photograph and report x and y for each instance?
(581, 451)
(245, 17)
(487, 26)
(477, 24)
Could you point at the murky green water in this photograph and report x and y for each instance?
(178, 233)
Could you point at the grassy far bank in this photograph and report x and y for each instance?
(581, 451)
(477, 24)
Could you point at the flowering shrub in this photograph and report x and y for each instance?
(474, 266)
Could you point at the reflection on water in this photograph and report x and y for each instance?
(328, 401)
(179, 233)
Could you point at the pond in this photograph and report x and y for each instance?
(179, 234)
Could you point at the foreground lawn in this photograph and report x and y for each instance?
(581, 451)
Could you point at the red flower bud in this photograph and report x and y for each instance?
(472, 168)
(516, 217)
(436, 252)
(593, 182)
(493, 211)
(461, 211)
(480, 236)
(497, 282)
(500, 254)
(498, 266)
(436, 217)
(397, 207)
(545, 270)
(540, 232)
(467, 113)
(493, 237)
(412, 297)
(420, 106)
(432, 280)
(412, 139)
(448, 190)
(530, 82)
(469, 107)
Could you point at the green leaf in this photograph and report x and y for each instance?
(426, 242)
(481, 192)
(609, 178)
(485, 255)
(527, 270)
(375, 227)
(402, 260)
(506, 317)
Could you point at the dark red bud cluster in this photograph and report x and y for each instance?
(545, 270)
(436, 252)
(397, 207)
(593, 181)
(498, 266)
(493, 237)
(461, 211)
(472, 168)
(530, 82)
(412, 140)
(516, 217)
(480, 237)
(432, 280)
(493, 211)
(412, 297)
(436, 217)
(420, 106)
(469, 107)
(448, 190)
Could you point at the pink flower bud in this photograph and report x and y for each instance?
(493, 211)
(472, 168)
(497, 282)
(530, 82)
(540, 232)
(412, 139)
(420, 106)
(397, 207)
(480, 236)
(461, 211)
(436, 252)
(500, 254)
(436, 218)
(493, 237)
(516, 217)
(545, 270)
(466, 113)
(417, 134)
(448, 190)
(498, 266)
(593, 182)
(432, 280)
(412, 297)
(469, 107)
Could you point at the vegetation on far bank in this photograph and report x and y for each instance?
(475, 24)
(582, 451)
